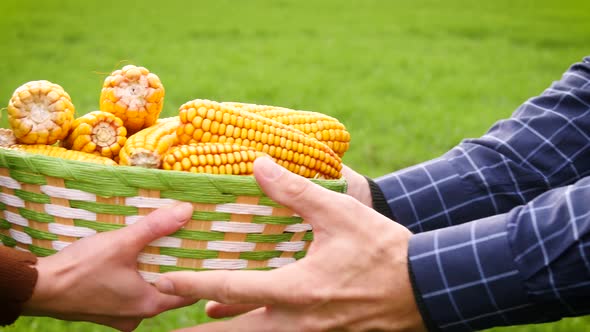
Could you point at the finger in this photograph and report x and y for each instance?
(121, 324)
(357, 186)
(219, 310)
(125, 325)
(291, 190)
(231, 287)
(157, 224)
(258, 321)
(348, 173)
(169, 302)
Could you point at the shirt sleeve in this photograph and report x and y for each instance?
(17, 281)
(545, 144)
(529, 265)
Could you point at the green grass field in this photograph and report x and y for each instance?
(410, 79)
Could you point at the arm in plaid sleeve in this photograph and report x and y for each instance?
(529, 265)
(544, 145)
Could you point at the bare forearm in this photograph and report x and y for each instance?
(17, 280)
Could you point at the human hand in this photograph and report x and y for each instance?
(354, 277)
(95, 279)
(358, 187)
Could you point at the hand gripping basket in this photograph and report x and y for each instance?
(46, 203)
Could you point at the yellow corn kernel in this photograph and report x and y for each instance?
(146, 147)
(7, 137)
(254, 108)
(59, 152)
(97, 132)
(214, 158)
(197, 117)
(40, 112)
(133, 94)
(323, 127)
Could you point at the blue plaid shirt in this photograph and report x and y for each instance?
(502, 222)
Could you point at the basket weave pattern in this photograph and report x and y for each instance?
(47, 203)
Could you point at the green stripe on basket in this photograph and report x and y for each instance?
(41, 252)
(121, 210)
(186, 181)
(335, 185)
(27, 177)
(2, 206)
(132, 177)
(260, 255)
(308, 236)
(300, 254)
(97, 226)
(34, 215)
(275, 220)
(199, 196)
(235, 185)
(189, 253)
(32, 197)
(164, 269)
(105, 189)
(8, 241)
(41, 235)
(269, 238)
(5, 224)
(198, 235)
(124, 181)
(265, 200)
(211, 216)
(240, 185)
(168, 268)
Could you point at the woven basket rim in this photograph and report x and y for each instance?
(47, 203)
(138, 177)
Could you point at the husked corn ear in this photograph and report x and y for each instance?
(147, 147)
(213, 158)
(174, 118)
(133, 94)
(254, 108)
(97, 132)
(40, 112)
(209, 121)
(7, 137)
(321, 126)
(324, 128)
(59, 152)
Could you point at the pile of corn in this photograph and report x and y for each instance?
(205, 137)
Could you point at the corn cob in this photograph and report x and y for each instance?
(254, 108)
(97, 132)
(40, 112)
(134, 95)
(147, 147)
(321, 126)
(213, 158)
(208, 121)
(59, 152)
(7, 137)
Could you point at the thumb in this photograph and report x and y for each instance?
(304, 197)
(155, 225)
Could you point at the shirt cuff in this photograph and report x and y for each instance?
(378, 199)
(465, 277)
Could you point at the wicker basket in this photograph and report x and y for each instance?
(47, 203)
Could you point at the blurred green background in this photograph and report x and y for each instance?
(409, 79)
